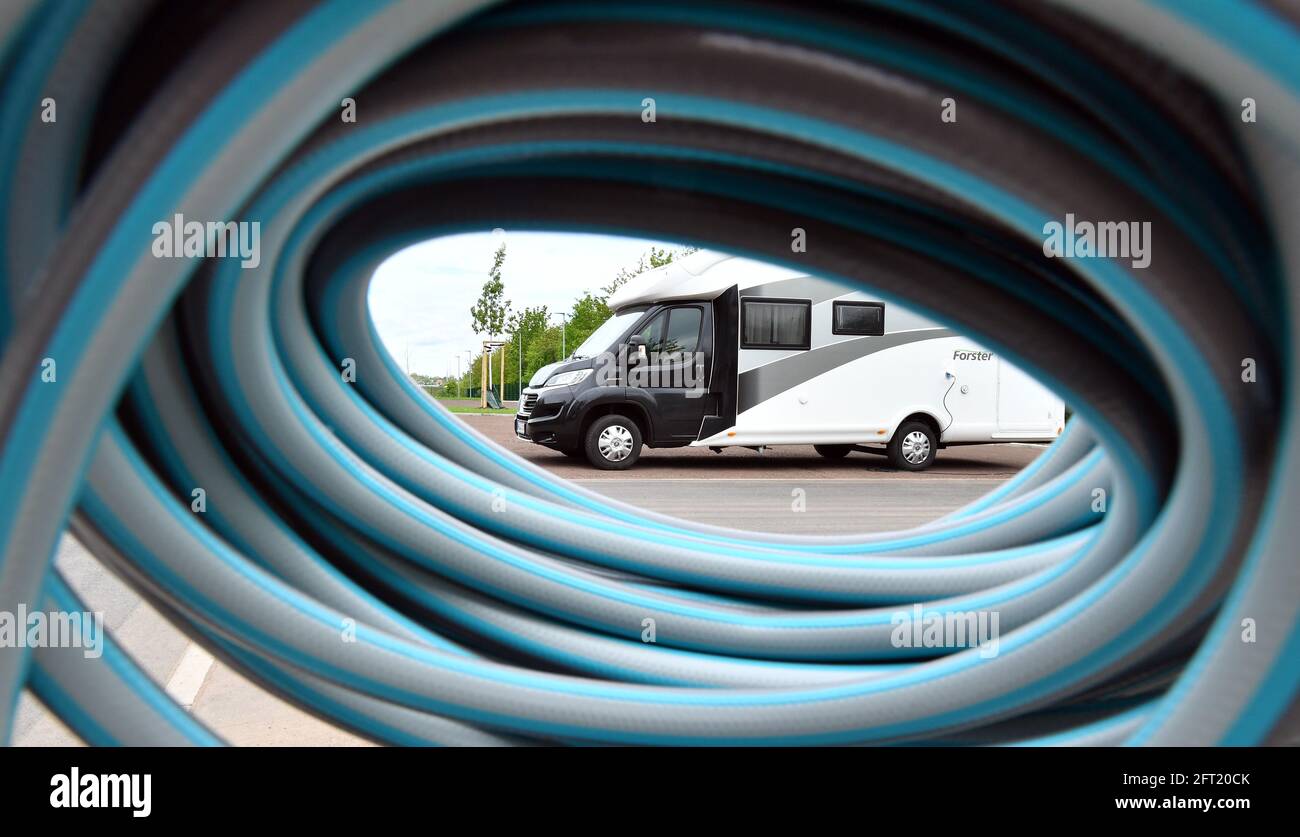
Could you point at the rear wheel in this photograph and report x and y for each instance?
(833, 451)
(913, 447)
(613, 443)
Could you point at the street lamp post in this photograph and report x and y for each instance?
(564, 330)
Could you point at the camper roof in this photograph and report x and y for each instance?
(702, 275)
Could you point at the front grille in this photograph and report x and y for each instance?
(527, 403)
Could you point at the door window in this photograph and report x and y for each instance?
(683, 334)
(652, 333)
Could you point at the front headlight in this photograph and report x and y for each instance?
(567, 379)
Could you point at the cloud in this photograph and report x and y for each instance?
(421, 296)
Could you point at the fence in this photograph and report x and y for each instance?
(512, 392)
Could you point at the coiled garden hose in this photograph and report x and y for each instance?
(367, 556)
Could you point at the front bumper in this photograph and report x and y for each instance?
(543, 418)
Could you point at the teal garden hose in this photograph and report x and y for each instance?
(488, 602)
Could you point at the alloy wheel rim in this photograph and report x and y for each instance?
(615, 443)
(916, 447)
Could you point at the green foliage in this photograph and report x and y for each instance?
(589, 312)
(528, 328)
(650, 259)
(490, 312)
(541, 338)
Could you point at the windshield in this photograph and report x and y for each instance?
(609, 331)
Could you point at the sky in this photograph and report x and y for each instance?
(420, 297)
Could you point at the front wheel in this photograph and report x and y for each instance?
(613, 443)
(913, 447)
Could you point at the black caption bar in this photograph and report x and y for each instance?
(130, 788)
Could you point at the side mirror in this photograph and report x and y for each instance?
(636, 348)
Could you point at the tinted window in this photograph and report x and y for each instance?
(602, 339)
(858, 318)
(775, 324)
(651, 333)
(683, 333)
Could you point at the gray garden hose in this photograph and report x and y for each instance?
(375, 561)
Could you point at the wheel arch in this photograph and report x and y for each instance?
(925, 418)
(632, 410)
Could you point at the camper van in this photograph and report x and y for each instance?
(718, 351)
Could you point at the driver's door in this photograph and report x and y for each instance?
(674, 374)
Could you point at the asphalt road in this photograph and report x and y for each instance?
(785, 462)
(784, 490)
(800, 506)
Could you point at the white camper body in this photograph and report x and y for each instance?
(716, 351)
(840, 386)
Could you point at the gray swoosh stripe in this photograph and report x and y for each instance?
(800, 287)
(758, 385)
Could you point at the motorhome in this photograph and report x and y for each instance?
(718, 351)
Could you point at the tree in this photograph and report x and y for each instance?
(530, 323)
(650, 259)
(529, 327)
(425, 381)
(590, 310)
(544, 349)
(542, 341)
(490, 312)
(589, 313)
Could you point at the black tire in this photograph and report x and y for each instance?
(572, 453)
(910, 452)
(621, 438)
(833, 451)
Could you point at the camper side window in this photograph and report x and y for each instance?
(775, 323)
(864, 318)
